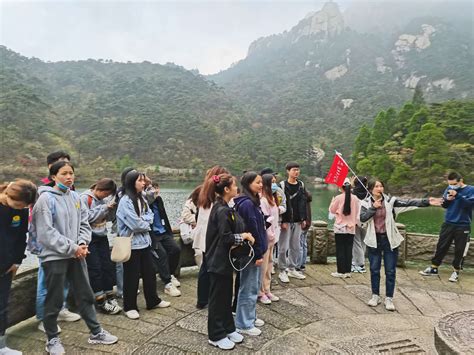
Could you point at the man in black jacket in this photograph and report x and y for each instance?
(166, 249)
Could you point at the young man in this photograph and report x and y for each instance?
(458, 199)
(50, 160)
(293, 221)
(164, 245)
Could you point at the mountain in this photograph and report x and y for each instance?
(321, 80)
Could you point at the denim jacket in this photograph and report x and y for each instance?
(129, 222)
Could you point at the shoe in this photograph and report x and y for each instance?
(235, 337)
(429, 271)
(163, 304)
(272, 297)
(109, 308)
(302, 267)
(252, 331)
(273, 270)
(454, 277)
(259, 322)
(171, 290)
(7, 351)
(224, 344)
(55, 347)
(389, 306)
(132, 314)
(374, 301)
(283, 276)
(201, 306)
(337, 274)
(362, 269)
(175, 281)
(296, 274)
(41, 327)
(104, 337)
(347, 275)
(113, 301)
(68, 316)
(264, 299)
(353, 268)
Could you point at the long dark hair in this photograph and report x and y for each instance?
(131, 191)
(246, 181)
(194, 196)
(346, 210)
(267, 180)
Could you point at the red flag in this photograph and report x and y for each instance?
(338, 171)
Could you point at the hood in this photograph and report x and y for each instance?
(241, 198)
(43, 189)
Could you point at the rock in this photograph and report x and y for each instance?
(336, 72)
(444, 84)
(381, 67)
(413, 80)
(308, 63)
(347, 103)
(328, 22)
(454, 333)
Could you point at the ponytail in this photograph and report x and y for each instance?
(347, 200)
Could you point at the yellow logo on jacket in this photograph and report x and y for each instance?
(78, 205)
(16, 220)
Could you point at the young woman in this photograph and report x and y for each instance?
(189, 216)
(60, 223)
(345, 207)
(15, 198)
(248, 207)
(383, 238)
(204, 205)
(100, 267)
(134, 218)
(225, 230)
(358, 248)
(269, 206)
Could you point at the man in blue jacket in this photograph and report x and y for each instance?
(458, 199)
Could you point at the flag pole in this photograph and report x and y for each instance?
(352, 171)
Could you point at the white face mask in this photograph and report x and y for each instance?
(454, 187)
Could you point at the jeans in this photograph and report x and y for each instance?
(168, 253)
(41, 292)
(99, 266)
(56, 273)
(344, 252)
(247, 299)
(390, 258)
(5, 286)
(289, 242)
(303, 248)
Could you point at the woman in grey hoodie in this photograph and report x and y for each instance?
(61, 227)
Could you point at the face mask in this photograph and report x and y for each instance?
(452, 187)
(62, 187)
(274, 187)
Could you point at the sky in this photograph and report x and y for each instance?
(204, 35)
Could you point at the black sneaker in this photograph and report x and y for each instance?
(429, 271)
(108, 307)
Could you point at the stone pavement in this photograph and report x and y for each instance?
(320, 314)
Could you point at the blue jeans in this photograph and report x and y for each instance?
(303, 248)
(247, 299)
(41, 292)
(390, 258)
(5, 286)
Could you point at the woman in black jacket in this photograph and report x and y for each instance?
(225, 230)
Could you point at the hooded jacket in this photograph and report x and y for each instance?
(98, 213)
(60, 223)
(254, 223)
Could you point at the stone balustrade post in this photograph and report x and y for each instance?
(319, 242)
(402, 249)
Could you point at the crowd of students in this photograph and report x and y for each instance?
(240, 236)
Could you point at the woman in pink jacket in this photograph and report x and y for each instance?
(345, 207)
(269, 206)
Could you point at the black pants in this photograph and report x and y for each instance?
(448, 234)
(203, 284)
(220, 321)
(5, 286)
(75, 272)
(236, 291)
(168, 253)
(344, 252)
(140, 264)
(100, 267)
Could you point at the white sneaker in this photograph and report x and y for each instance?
(41, 327)
(171, 290)
(273, 270)
(175, 281)
(68, 316)
(389, 306)
(163, 304)
(374, 301)
(264, 299)
(252, 331)
(259, 322)
(454, 277)
(235, 337)
(296, 274)
(283, 276)
(7, 351)
(224, 344)
(347, 275)
(272, 297)
(132, 314)
(337, 274)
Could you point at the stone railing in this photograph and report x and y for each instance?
(415, 247)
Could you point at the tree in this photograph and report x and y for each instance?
(418, 99)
